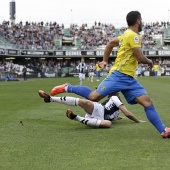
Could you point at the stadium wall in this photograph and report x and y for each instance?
(73, 53)
(23, 54)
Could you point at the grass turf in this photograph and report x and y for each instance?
(38, 136)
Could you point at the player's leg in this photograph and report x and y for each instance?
(156, 74)
(97, 75)
(153, 115)
(88, 76)
(72, 101)
(96, 112)
(83, 77)
(83, 91)
(87, 106)
(107, 86)
(105, 124)
(92, 122)
(137, 94)
(80, 79)
(92, 75)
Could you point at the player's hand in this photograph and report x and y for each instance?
(102, 64)
(150, 64)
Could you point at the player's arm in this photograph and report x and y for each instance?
(125, 111)
(129, 115)
(118, 118)
(140, 57)
(109, 47)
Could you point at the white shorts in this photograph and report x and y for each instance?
(98, 112)
(91, 74)
(82, 76)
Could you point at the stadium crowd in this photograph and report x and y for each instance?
(42, 36)
(31, 35)
(54, 66)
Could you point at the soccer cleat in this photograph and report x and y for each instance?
(44, 95)
(58, 89)
(70, 114)
(166, 134)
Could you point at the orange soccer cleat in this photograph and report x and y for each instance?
(58, 89)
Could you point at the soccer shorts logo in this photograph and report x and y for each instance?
(102, 88)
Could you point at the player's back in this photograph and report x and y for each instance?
(91, 68)
(82, 67)
(111, 107)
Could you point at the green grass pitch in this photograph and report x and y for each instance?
(38, 136)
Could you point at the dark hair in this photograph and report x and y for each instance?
(132, 17)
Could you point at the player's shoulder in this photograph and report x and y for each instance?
(133, 36)
(130, 32)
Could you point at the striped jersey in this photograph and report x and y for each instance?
(92, 68)
(81, 67)
(111, 110)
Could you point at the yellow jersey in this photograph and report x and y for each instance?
(155, 67)
(126, 62)
(97, 67)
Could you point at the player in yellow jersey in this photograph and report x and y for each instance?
(122, 75)
(155, 69)
(98, 70)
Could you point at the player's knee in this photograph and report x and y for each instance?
(84, 103)
(147, 102)
(95, 97)
(108, 124)
(105, 124)
(144, 100)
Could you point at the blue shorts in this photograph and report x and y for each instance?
(119, 82)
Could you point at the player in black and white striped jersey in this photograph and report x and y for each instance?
(81, 68)
(96, 115)
(91, 70)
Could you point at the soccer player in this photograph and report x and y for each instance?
(122, 74)
(24, 70)
(81, 67)
(96, 115)
(155, 69)
(91, 71)
(98, 70)
(138, 70)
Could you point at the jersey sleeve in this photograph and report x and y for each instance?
(134, 40)
(120, 37)
(116, 101)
